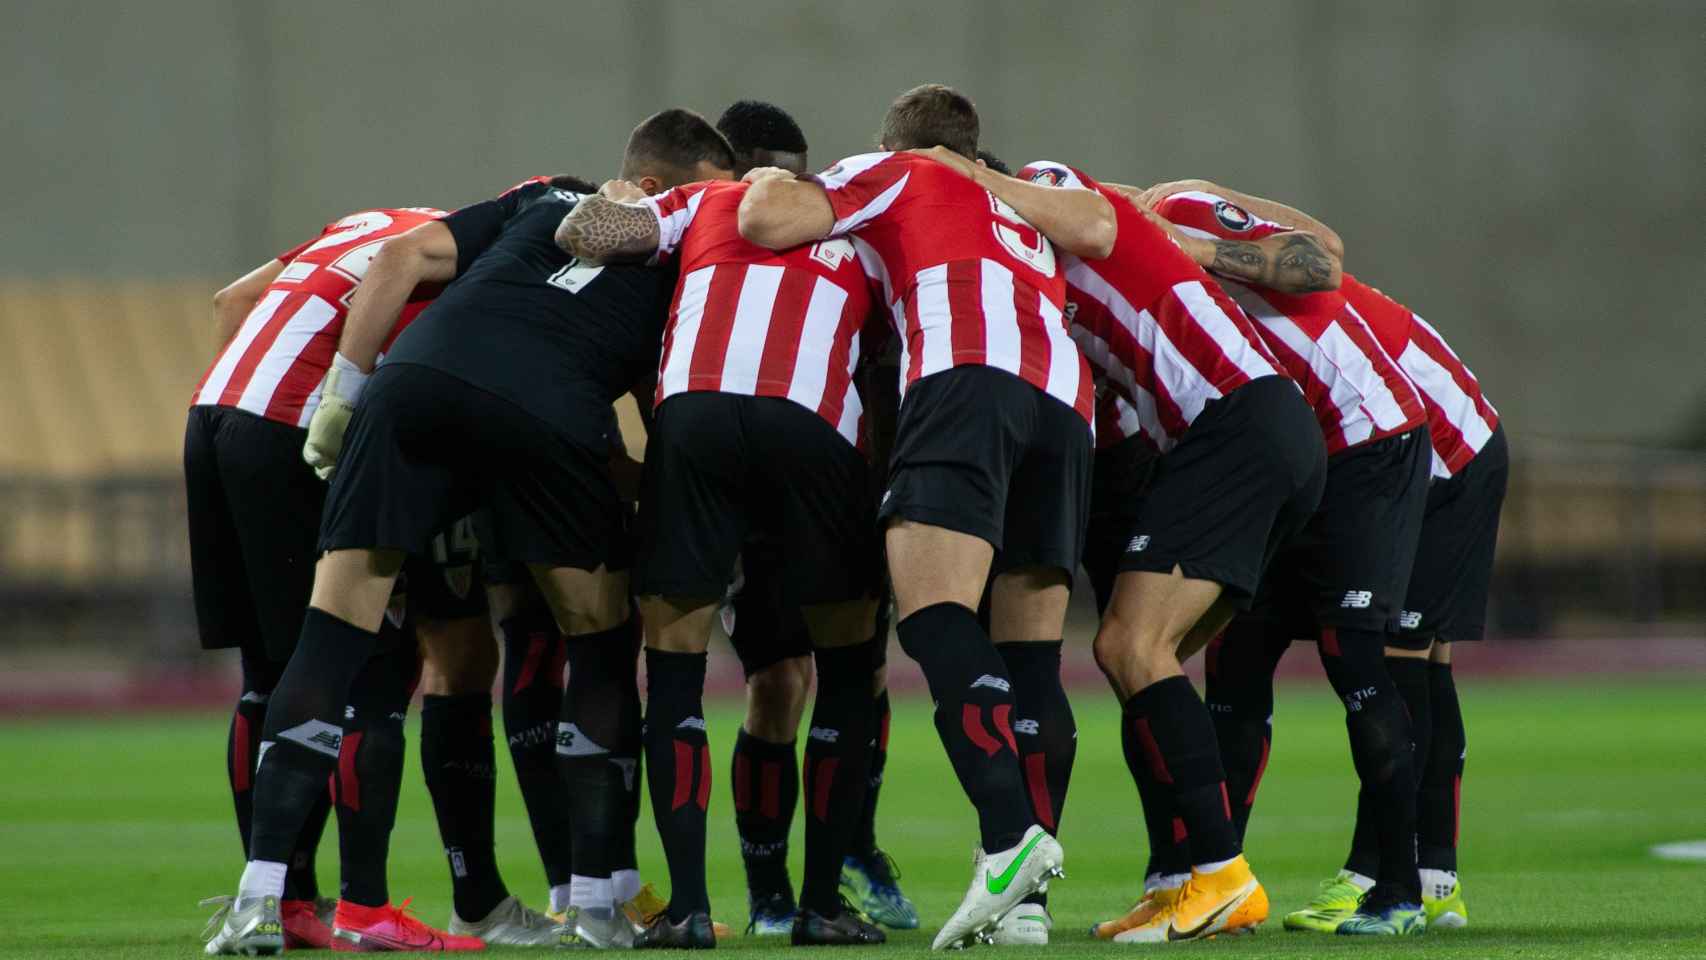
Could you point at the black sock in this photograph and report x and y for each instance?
(597, 753)
(766, 780)
(1175, 743)
(461, 774)
(1379, 728)
(1438, 806)
(837, 765)
(1239, 693)
(260, 677)
(1044, 729)
(532, 698)
(679, 772)
(370, 772)
(302, 733)
(974, 708)
(1169, 844)
(865, 838)
(1410, 676)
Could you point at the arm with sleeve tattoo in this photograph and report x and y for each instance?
(601, 230)
(1260, 206)
(1292, 262)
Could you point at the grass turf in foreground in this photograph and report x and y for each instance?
(110, 830)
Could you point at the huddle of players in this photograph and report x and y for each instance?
(1258, 396)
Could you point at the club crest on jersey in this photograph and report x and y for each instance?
(1049, 177)
(1232, 216)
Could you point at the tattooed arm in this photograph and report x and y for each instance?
(1293, 262)
(604, 230)
(1261, 207)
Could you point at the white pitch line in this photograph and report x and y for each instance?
(1690, 850)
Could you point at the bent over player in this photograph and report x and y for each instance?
(992, 447)
(496, 396)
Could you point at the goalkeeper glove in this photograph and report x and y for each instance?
(338, 394)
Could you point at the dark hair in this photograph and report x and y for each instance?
(573, 184)
(755, 125)
(932, 115)
(671, 144)
(994, 162)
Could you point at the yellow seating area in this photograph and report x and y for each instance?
(96, 377)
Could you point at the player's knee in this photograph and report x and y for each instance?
(776, 699)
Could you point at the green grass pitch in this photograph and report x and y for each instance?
(111, 829)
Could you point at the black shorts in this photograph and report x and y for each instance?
(1349, 567)
(1118, 477)
(1243, 479)
(425, 448)
(254, 509)
(445, 582)
(763, 629)
(1447, 599)
(723, 469)
(982, 452)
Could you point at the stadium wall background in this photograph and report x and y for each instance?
(1526, 173)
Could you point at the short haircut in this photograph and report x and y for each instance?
(573, 184)
(932, 115)
(755, 125)
(673, 143)
(995, 163)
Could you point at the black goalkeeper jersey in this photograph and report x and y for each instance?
(528, 322)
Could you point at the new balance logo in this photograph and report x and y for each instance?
(317, 735)
(1357, 599)
(994, 683)
(824, 734)
(1409, 620)
(1138, 544)
(692, 723)
(571, 742)
(1026, 728)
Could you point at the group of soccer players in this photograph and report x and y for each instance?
(911, 385)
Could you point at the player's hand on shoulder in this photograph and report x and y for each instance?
(757, 174)
(1162, 191)
(948, 158)
(621, 191)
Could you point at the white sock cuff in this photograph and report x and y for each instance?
(591, 893)
(625, 884)
(559, 898)
(262, 878)
(1357, 880)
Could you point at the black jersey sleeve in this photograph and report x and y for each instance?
(478, 225)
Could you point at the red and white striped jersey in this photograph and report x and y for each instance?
(1356, 389)
(1160, 330)
(966, 279)
(1459, 418)
(274, 364)
(1116, 418)
(752, 321)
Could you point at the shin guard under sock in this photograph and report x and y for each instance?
(1043, 726)
(260, 677)
(1438, 801)
(370, 773)
(974, 710)
(597, 752)
(678, 761)
(837, 764)
(461, 775)
(865, 838)
(1175, 744)
(534, 655)
(1410, 676)
(1239, 693)
(1379, 728)
(303, 732)
(766, 781)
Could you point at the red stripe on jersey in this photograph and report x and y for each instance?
(705, 371)
(257, 351)
(1314, 390)
(1402, 390)
(1035, 352)
(834, 400)
(970, 341)
(914, 339)
(787, 323)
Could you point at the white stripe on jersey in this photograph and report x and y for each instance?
(690, 310)
(1416, 318)
(308, 320)
(1142, 404)
(1353, 421)
(1379, 403)
(811, 369)
(1063, 368)
(671, 228)
(931, 299)
(852, 408)
(753, 308)
(1233, 343)
(1000, 319)
(253, 324)
(1459, 408)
